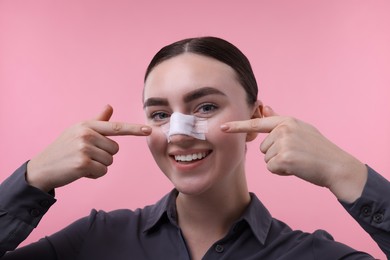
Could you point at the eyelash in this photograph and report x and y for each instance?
(208, 105)
(154, 116)
(160, 116)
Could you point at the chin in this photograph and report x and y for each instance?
(191, 188)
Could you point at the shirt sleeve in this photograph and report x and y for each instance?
(21, 208)
(372, 210)
(62, 245)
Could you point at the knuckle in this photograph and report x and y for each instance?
(284, 129)
(263, 148)
(83, 125)
(86, 134)
(284, 158)
(272, 167)
(83, 148)
(254, 123)
(281, 164)
(116, 127)
(285, 161)
(82, 163)
(292, 121)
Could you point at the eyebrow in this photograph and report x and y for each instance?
(191, 96)
(201, 92)
(156, 102)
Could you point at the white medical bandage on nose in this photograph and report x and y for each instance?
(181, 124)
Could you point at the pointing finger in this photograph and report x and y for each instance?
(259, 125)
(119, 128)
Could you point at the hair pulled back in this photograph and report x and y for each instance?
(218, 49)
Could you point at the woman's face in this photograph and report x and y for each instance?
(204, 87)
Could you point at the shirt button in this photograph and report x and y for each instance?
(35, 212)
(378, 217)
(366, 211)
(219, 248)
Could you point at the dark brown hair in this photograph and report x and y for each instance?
(218, 49)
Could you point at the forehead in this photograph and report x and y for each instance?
(189, 71)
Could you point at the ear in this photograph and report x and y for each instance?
(257, 112)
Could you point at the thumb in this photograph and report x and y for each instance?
(268, 111)
(105, 114)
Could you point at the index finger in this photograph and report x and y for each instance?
(108, 128)
(258, 125)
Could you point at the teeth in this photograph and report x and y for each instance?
(190, 157)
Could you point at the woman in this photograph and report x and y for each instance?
(210, 213)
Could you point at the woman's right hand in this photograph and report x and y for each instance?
(294, 147)
(82, 150)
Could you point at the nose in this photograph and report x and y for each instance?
(180, 138)
(186, 127)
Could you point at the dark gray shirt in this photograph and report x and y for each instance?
(153, 232)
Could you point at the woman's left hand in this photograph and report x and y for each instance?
(293, 147)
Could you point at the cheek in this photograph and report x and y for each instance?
(156, 141)
(216, 136)
(235, 143)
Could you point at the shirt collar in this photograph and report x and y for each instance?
(258, 218)
(256, 215)
(165, 207)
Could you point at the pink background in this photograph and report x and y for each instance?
(326, 62)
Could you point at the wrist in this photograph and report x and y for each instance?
(349, 180)
(35, 178)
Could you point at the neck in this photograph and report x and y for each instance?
(214, 210)
(206, 217)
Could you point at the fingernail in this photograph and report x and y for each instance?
(146, 129)
(224, 127)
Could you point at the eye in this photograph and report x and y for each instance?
(159, 116)
(206, 108)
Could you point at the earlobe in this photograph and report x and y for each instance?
(257, 112)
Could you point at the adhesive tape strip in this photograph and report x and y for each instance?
(181, 124)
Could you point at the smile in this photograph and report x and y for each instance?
(190, 157)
